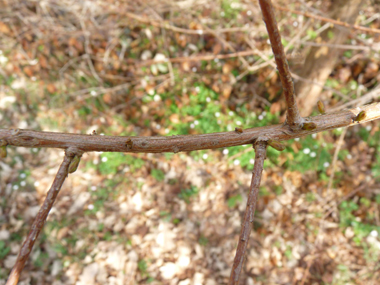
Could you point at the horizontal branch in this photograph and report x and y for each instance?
(156, 144)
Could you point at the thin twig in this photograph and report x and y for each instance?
(333, 206)
(295, 76)
(335, 158)
(337, 92)
(229, 46)
(309, 263)
(337, 46)
(344, 198)
(335, 22)
(374, 93)
(155, 144)
(197, 58)
(293, 117)
(260, 155)
(259, 64)
(40, 219)
(87, 48)
(167, 26)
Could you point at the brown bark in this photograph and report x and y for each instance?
(87, 143)
(292, 115)
(40, 220)
(260, 155)
(321, 60)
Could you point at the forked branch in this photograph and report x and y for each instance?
(293, 117)
(260, 155)
(41, 218)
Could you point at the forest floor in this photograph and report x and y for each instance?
(150, 68)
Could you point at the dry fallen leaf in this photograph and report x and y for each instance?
(51, 88)
(4, 28)
(174, 118)
(28, 70)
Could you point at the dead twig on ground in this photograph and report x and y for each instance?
(362, 100)
(166, 25)
(332, 21)
(197, 58)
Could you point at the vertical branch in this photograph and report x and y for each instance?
(293, 117)
(40, 220)
(260, 155)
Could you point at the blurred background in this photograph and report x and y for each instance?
(146, 68)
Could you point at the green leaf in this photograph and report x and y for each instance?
(232, 201)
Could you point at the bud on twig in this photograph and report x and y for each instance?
(321, 107)
(361, 116)
(3, 148)
(74, 164)
(129, 143)
(309, 126)
(3, 151)
(276, 145)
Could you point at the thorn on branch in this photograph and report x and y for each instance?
(276, 145)
(309, 126)
(321, 107)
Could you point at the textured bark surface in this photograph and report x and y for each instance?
(86, 143)
(260, 155)
(320, 61)
(292, 115)
(39, 221)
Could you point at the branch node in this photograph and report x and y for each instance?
(361, 116)
(3, 151)
(129, 144)
(321, 107)
(276, 145)
(14, 132)
(175, 149)
(73, 151)
(74, 164)
(309, 126)
(3, 148)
